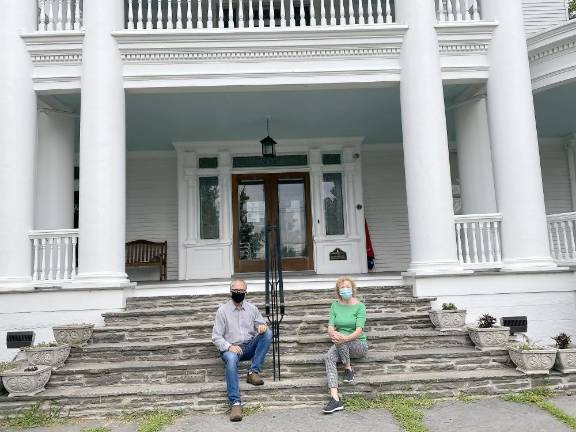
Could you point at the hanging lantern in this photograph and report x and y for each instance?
(268, 144)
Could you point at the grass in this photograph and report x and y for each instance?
(98, 429)
(251, 410)
(152, 421)
(539, 397)
(407, 411)
(35, 417)
(466, 398)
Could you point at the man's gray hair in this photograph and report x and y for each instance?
(233, 282)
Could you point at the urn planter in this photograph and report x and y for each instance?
(53, 356)
(487, 339)
(446, 320)
(566, 360)
(20, 382)
(534, 361)
(75, 335)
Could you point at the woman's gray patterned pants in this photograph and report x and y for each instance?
(343, 353)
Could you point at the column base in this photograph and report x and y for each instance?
(15, 283)
(95, 280)
(431, 268)
(529, 264)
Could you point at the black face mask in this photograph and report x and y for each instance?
(238, 297)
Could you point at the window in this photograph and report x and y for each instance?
(333, 203)
(208, 162)
(331, 159)
(209, 208)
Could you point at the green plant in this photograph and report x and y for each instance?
(98, 429)
(486, 321)
(4, 366)
(539, 397)
(35, 417)
(572, 9)
(562, 340)
(152, 421)
(449, 306)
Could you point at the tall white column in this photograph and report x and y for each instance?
(475, 157)
(18, 129)
(517, 172)
(54, 207)
(102, 217)
(426, 160)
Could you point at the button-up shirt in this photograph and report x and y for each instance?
(235, 325)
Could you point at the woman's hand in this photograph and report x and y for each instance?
(338, 338)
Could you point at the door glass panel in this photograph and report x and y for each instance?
(252, 219)
(292, 217)
(333, 203)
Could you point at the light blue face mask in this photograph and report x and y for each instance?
(345, 293)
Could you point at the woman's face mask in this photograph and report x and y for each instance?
(345, 293)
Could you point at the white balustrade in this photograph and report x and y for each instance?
(478, 240)
(457, 10)
(240, 14)
(59, 15)
(561, 232)
(54, 255)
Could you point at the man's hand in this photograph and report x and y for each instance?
(262, 328)
(235, 349)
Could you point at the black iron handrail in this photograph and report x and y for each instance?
(274, 291)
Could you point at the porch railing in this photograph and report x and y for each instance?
(54, 255)
(59, 15)
(561, 229)
(478, 240)
(457, 10)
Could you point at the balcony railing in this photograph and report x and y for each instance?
(54, 255)
(59, 15)
(457, 10)
(561, 229)
(478, 240)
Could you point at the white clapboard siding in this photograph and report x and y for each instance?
(555, 178)
(385, 207)
(540, 15)
(152, 208)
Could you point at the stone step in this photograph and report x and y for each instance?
(292, 366)
(294, 325)
(194, 348)
(104, 401)
(319, 307)
(364, 293)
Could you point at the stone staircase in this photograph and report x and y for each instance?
(158, 353)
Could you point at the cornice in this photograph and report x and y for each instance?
(61, 48)
(552, 43)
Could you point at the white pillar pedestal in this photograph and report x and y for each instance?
(426, 160)
(102, 217)
(18, 128)
(54, 207)
(475, 157)
(516, 158)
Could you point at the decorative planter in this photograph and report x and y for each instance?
(445, 320)
(487, 339)
(533, 361)
(75, 335)
(49, 356)
(21, 383)
(566, 360)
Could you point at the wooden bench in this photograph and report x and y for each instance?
(144, 253)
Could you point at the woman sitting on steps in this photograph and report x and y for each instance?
(345, 328)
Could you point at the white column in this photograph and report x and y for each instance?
(18, 128)
(475, 157)
(102, 148)
(515, 154)
(54, 207)
(426, 160)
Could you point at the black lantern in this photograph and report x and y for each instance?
(268, 144)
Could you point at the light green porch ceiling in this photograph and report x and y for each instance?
(556, 111)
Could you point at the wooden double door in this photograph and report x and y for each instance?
(271, 199)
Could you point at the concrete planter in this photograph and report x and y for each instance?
(566, 360)
(49, 356)
(487, 339)
(18, 382)
(445, 320)
(533, 361)
(75, 335)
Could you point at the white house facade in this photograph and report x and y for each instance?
(446, 127)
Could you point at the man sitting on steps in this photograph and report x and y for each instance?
(240, 333)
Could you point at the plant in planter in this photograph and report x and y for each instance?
(566, 357)
(449, 318)
(532, 359)
(4, 366)
(75, 335)
(487, 336)
(26, 381)
(50, 354)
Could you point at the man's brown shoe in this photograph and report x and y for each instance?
(254, 379)
(236, 413)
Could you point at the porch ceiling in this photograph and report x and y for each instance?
(556, 110)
